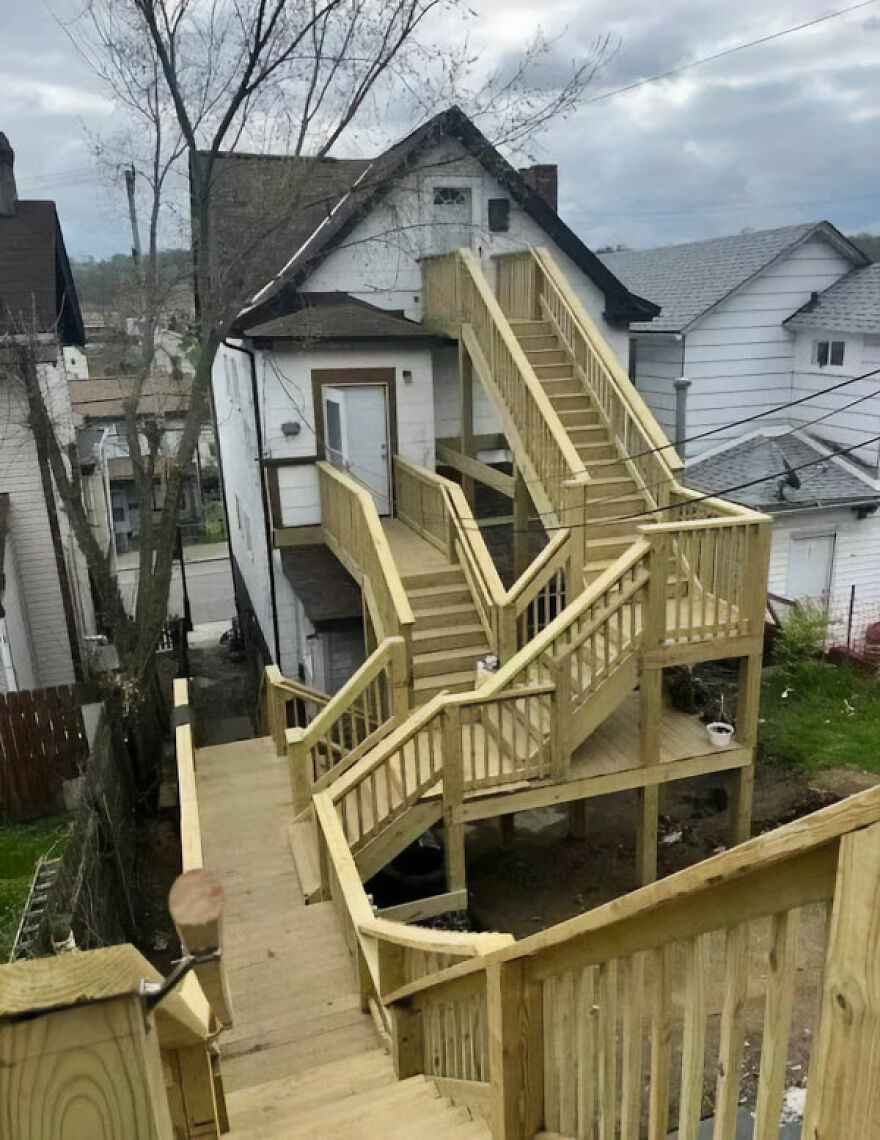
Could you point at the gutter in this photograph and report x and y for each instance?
(264, 498)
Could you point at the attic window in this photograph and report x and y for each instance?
(452, 196)
(827, 352)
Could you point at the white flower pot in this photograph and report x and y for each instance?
(720, 734)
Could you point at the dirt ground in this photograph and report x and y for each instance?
(545, 876)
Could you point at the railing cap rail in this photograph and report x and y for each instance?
(787, 842)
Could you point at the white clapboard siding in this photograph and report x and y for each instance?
(658, 366)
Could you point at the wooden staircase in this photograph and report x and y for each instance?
(447, 639)
(612, 493)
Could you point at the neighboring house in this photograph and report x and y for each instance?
(99, 407)
(45, 571)
(330, 360)
(750, 323)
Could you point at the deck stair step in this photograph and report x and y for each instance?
(304, 849)
(552, 371)
(532, 342)
(523, 328)
(441, 616)
(450, 660)
(447, 637)
(454, 682)
(539, 356)
(432, 597)
(438, 576)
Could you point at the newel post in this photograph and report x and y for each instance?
(516, 1051)
(300, 775)
(453, 794)
(843, 1096)
(560, 703)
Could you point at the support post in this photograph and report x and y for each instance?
(843, 1097)
(522, 505)
(513, 1008)
(453, 794)
(466, 375)
(650, 715)
(743, 779)
(399, 682)
(196, 904)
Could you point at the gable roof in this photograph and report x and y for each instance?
(332, 316)
(37, 291)
(823, 484)
(687, 280)
(374, 179)
(247, 189)
(851, 304)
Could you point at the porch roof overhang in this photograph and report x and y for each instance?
(329, 595)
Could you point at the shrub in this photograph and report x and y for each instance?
(802, 637)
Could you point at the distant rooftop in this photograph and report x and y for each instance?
(851, 304)
(825, 483)
(688, 280)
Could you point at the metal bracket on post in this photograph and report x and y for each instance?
(155, 992)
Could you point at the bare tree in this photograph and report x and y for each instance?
(197, 79)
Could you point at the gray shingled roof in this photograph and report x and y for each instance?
(824, 483)
(338, 316)
(687, 280)
(851, 304)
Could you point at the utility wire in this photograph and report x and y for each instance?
(726, 52)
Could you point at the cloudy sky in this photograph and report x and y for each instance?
(779, 133)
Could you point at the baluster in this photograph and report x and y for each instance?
(586, 1052)
(661, 1041)
(631, 1070)
(607, 1088)
(693, 1037)
(736, 976)
(777, 1023)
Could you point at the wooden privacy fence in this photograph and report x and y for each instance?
(42, 743)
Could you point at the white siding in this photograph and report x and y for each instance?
(447, 399)
(18, 635)
(285, 379)
(848, 426)
(856, 561)
(377, 262)
(658, 365)
(32, 540)
(739, 357)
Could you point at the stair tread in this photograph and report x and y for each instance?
(445, 680)
(463, 651)
(467, 630)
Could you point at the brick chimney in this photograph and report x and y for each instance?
(544, 180)
(8, 193)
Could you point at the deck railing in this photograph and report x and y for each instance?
(700, 990)
(353, 531)
(532, 287)
(350, 723)
(458, 300)
(437, 509)
(288, 704)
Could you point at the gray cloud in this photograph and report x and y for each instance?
(780, 133)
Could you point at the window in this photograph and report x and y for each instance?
(499, 215)
(827, 352)
(452, 196)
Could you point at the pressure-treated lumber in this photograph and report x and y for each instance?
(196, 905)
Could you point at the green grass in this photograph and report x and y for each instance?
(21, 845)
(818, 716)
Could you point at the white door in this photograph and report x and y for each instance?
(810, 562)
(356, 436)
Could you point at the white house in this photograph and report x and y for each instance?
(47, 599)
(330, 360)
(771, 328)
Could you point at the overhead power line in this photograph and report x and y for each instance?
(727, 51)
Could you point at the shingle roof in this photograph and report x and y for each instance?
(37, 293)
(338, 316)
(369, 182)
(687, 280)
(851, 304)
(823, 483)
(264, 206)
(105, 399)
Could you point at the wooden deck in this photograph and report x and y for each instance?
(293, 992)
(412, 553)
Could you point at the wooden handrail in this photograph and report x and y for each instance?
(360, 544)
(653, 907)
(279, 691)
(626, 390)
(190, 827)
